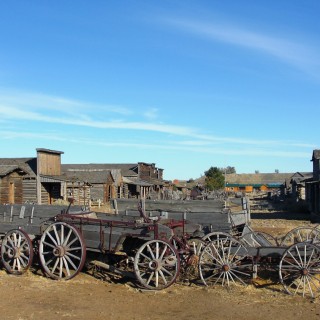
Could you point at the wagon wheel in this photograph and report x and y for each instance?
(156, 264)
(300, 234)
(190, 262)
(259, 239)
(215, 236)
(299, 270)
(225, 261)
(16, 251)
(62, 251)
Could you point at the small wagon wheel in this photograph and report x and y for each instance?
(62, 251)
(300, 234)
(16, 251)
(259, 239)
(156, 264)
(225, 261)
(189, 264)
(299, 270)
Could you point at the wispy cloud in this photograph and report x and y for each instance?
(151, 114)
(288, 51)
(199, 148)
(27, 108)
(39, 101)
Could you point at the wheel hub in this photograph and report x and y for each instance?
(304, 272)
(14, 252)
(154, 265)
(59, 251)
(225, 268)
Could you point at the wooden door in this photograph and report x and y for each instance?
(11, 192)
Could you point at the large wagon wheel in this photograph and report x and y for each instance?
(299, 270)
(62, 251)
(156, 264)
(300, 234)
(225, 261)
(16, 251)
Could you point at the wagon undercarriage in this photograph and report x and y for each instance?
(159, 248)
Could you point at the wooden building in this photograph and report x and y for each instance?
(256, 182)
(313, 187)
(135, 180)
(44, 180)
(298, 185)
(33, 180)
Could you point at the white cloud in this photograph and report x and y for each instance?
(290, 52)
(20, 108)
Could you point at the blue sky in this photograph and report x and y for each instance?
(183, 84)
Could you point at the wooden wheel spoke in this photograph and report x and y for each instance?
(62, 234)
(157, 278)
(163, 252)
(308, 263)
(166, 271)
(297, 262)
(70, 262)
(56, 234)
(163, 277)
(71, 242)
(55, 265)
(312, 278)
(74, 249)
(49, 244)
(22, 262)
(67, 238)
(49, 261)
(151, 252)
(143, 264)
(221, 260)
(234, 273)
(60, 267)
(150, 278)
(23, 256)
(14, 235)
(52, 239)
(66, 265)
(11, 243)
(290, 267)
(240, 272)
(68, 254)
(146, 257)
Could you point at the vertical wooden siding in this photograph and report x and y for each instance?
(49, 164)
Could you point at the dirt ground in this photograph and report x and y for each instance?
(32, 296)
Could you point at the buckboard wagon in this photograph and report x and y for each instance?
(154, 246)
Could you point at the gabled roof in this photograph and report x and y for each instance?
(6, 169)
(258, 178)
(301, 176)
(127, 170)
(27, 165)
(137, 182)
(89, 176)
